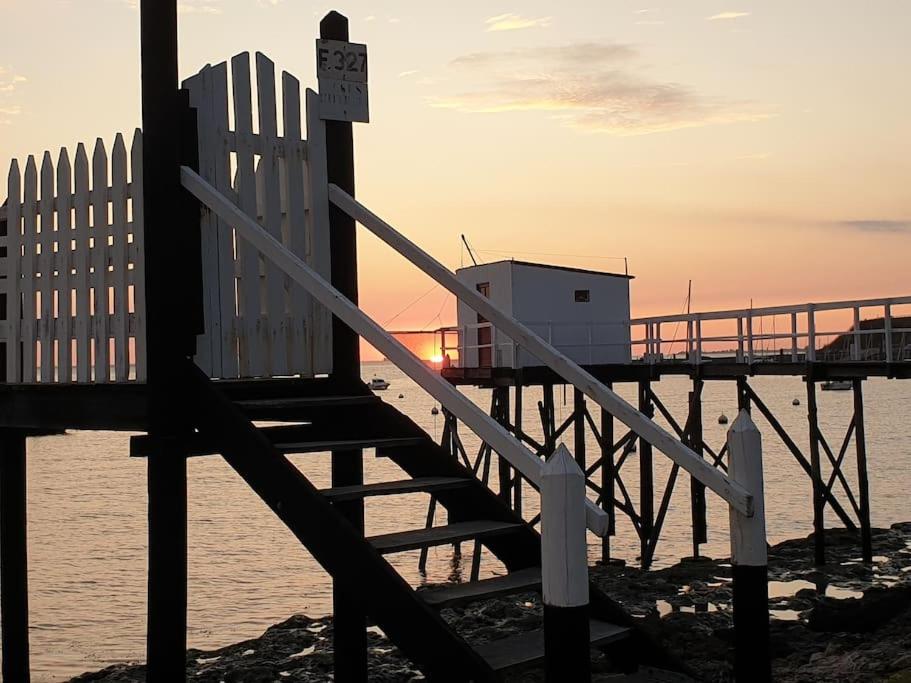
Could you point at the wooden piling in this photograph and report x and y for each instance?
(608, 477)
(694, 439)
(517, 428)
(350, 645)
(819, 500)
(13, 557)
(579, 427)
(863, 484)
(646, 479)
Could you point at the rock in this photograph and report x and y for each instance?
(900, 664)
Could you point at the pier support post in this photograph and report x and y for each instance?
(646, 479)
(579, 427)
(694, 439)
(501, 415)
(564, 570)
(13, 556)
(350, 645)
(819, 498)
(608, 477)
(749, 556)
(517, 428)
(863, 484)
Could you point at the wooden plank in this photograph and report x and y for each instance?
(269, 196)
(390, 488)
(440, 535)
(566, 368)
(102, 362)
(249, 307)
(491, 432)
(218, 118)
(462, 593)
(64, 327)
(318, 253)
(120, 258)
(208, 346)
(82, 268)
(14, 277)
(139, 283)
(29, 230)
(294, 230)
(46, 269)
(527, 649)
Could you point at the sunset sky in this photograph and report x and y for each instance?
(762, 149)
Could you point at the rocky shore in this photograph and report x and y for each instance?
(846, 622)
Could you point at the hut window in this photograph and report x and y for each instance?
(583, 296)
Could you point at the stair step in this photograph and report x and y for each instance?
(460, 593)
(527, 649)
(388, 488)
(440, 535)
(348, 444)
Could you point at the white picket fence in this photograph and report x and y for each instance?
(73, 269)
(258, 322)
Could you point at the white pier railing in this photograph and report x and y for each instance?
(867, 331)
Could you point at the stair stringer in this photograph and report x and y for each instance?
(418, 630)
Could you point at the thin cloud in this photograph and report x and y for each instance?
(723, 16)
(410, 72)
(11, 110)
(197, 6)
(876, 225)
(515, 22)
(590, 86)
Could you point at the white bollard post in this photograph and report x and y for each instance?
(749, 556)
(564, 569)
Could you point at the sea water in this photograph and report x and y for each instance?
(88, 534)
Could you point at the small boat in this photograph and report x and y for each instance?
(837, 385)
(722, 419)
(434, 411)
(795, 402)
(379, 384)
(401, 395)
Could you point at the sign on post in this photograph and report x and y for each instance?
(341, 69)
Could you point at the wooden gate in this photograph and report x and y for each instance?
(259, 324)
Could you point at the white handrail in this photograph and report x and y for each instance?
(733, 493)
(488, 429)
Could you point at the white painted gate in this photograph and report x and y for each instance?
(259, 324)
(71, 276)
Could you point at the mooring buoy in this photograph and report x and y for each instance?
(795, 402)
(434, 411)
(722, 419)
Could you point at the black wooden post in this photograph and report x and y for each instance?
(579, 427)
(608, 476)
(646, 479)
(13, 557)
(863, 484)
(549, 427)
(348, 465)
(173, 319)
(517, 427)
(501, 415)
(694, 438)
(819, 500)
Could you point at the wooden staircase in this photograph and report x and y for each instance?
(329, 415)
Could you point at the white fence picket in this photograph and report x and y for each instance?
(269, 200)
(249, 304)
(83, 265)
(29, 311)
(294, 227)
(99, 279)
(64, 327)
(139, 287)
(120, 258)
(46, 269)
(318, 233)
(13, 274)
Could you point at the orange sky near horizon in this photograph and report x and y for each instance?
(760, 149)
